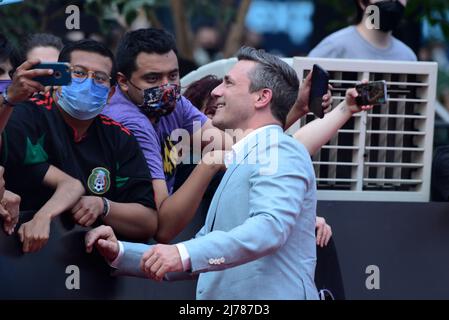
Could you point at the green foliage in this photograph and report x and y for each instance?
(105, 9)
(29, 16)
(435, 11)
(20, 19)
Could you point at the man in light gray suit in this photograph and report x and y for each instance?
(259, 232)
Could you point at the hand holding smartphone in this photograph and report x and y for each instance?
(372, 93)
(319, 87)
(61, 74)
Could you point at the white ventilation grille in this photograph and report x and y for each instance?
(386, 153)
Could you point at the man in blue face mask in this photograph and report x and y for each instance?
(60, 140)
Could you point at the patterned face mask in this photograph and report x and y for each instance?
(160, 101)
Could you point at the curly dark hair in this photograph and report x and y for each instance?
(199, 91)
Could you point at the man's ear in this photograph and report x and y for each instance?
(122, 81)
(263, 98)
(111, 93)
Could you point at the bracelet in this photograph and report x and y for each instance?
(5, 98)
(106, 207)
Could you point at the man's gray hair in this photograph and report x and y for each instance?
(272, 73)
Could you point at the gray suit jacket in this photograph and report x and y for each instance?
(258, 241)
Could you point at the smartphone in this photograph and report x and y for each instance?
(320, 84)
(372, 93)
(61, 74)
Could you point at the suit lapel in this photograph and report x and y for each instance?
(252, 143)
(216, 199)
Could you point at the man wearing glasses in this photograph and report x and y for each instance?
(54, 142)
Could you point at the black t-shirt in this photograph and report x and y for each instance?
(440, 174)
(107, 159)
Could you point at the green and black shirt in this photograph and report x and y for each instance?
(107, 159)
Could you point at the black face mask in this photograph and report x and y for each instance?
(391, 13)
(212, 51)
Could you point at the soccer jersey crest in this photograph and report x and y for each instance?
(99, 181)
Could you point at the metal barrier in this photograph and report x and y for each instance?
(51, 272)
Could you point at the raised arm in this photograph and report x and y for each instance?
(177, 210)
(21, 88)
(318, 132)
(301, 106)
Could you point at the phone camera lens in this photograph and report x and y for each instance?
(57, 74)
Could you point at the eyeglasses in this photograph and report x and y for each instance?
(101, 78)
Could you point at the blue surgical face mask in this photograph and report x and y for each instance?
(83, 99)
(4, 84)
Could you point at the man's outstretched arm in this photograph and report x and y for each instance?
(177, 210)
(318, 132)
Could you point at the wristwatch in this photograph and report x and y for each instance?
(5, 98)
(106, 207)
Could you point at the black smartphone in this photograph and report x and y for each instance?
(372, 93)
(61, 74)
(320, 84)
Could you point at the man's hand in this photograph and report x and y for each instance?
(22, 86)
(302, 102)
(87, 210)
(159, 260)
(34, 234)
(104, 239)
(216, 159)
(323, 232)
(350, 99)
(9, 211)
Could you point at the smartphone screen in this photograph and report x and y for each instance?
(372, 93)
(320, 84)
